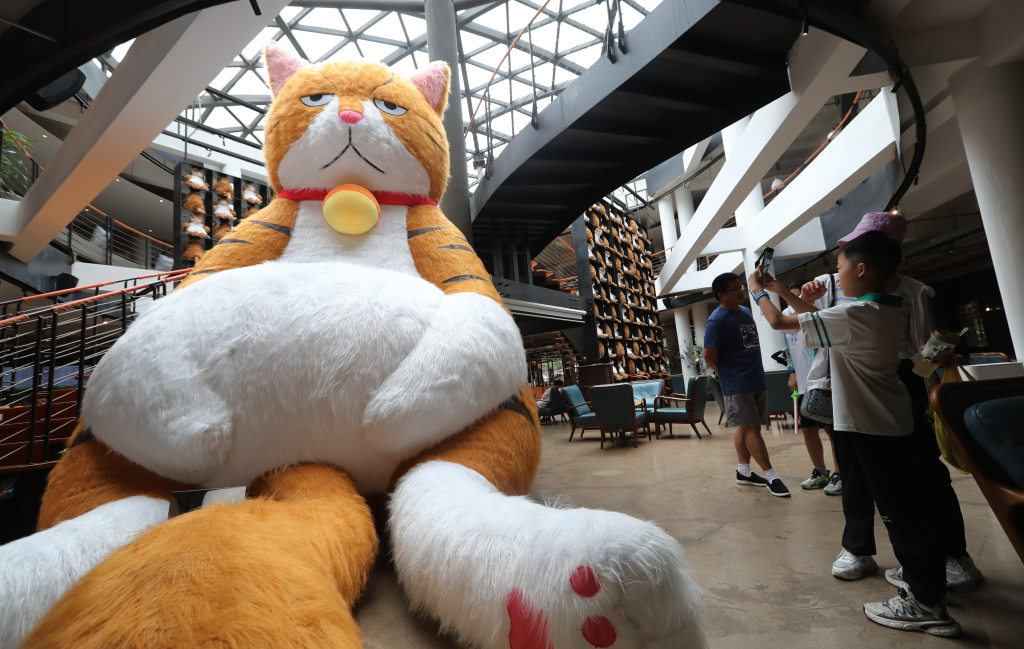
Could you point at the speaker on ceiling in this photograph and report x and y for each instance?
(57, 91)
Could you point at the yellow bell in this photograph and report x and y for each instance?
(350, 209)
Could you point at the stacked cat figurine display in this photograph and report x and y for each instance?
(382, 362)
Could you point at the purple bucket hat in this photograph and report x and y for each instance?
(895, 225)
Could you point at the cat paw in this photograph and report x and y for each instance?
(632, 592)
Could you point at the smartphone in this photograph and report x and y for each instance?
(765, 260)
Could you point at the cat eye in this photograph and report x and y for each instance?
(389, 108)
(316, 100)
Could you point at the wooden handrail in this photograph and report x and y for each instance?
(181, 274)
(86, 288)
(104, 296)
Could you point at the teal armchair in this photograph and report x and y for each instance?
(780, 395)
(618, 411)
(554, 408)
(580, 414)
(690, 410)
(678, 384)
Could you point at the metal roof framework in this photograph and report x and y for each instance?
(565, 40)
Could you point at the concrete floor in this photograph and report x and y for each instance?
(763, 561)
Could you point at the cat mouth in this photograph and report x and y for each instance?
(358, 153)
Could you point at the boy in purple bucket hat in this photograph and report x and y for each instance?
(892, 224)
(858, 541)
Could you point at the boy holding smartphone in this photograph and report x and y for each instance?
(873, 420)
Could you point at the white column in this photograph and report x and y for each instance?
(668, 222)
(682, 318)
(988, 105)
(771, 340)
(684, 210)
(700, 312)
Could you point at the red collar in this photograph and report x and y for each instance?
(383, 198)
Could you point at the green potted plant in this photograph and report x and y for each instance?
(15, 167)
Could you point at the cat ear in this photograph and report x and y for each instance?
(281, 65)
(433, 81)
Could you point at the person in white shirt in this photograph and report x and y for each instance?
(873, 421)
(799, 362)
(856, 558)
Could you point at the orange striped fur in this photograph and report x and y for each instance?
(90, 475)
(276, 572)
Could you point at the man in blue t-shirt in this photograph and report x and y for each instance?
(732, 348)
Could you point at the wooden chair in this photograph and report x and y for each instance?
(691, 413)
(952, 402)
(555, 407)
(617, 411)
(580, 414)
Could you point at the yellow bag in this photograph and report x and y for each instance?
(946, 445)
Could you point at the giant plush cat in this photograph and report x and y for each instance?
(343, 365)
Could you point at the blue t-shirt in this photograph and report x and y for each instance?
(734, 335)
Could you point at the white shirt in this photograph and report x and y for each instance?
(917, 324)
(864, 343)
(798, 355)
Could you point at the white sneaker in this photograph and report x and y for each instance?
(835, 485)
(850, 567)
(905, 613)
(818, 480)
(962, 575)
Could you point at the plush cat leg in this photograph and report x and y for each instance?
(504, 572)
(278, 571)
(95, 502)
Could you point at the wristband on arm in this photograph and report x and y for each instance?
(759, 296)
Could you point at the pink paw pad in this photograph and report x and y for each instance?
(599, 631)
(585, 582)
(529, 626)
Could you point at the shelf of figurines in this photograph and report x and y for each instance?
(625, 304)
(211, 204)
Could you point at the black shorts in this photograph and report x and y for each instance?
(806, 422)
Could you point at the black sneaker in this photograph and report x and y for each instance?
(776, 488)
(752, 479)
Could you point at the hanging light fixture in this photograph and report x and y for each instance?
(803, 26)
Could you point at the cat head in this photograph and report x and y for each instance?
(355, 122)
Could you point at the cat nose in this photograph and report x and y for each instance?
(350, 116)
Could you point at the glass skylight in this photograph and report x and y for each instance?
(567, 39)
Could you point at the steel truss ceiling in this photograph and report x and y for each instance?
(566, 39)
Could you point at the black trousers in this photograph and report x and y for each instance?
(940, 499)
(880, 467)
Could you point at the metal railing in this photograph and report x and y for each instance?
(47, 354)
(92, 235)
(98, 238)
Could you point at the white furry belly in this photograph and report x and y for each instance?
(257, 368)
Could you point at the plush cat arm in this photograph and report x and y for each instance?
(261, 237)
(468, 361)
(444, 257)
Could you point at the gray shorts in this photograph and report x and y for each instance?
(747, 409)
